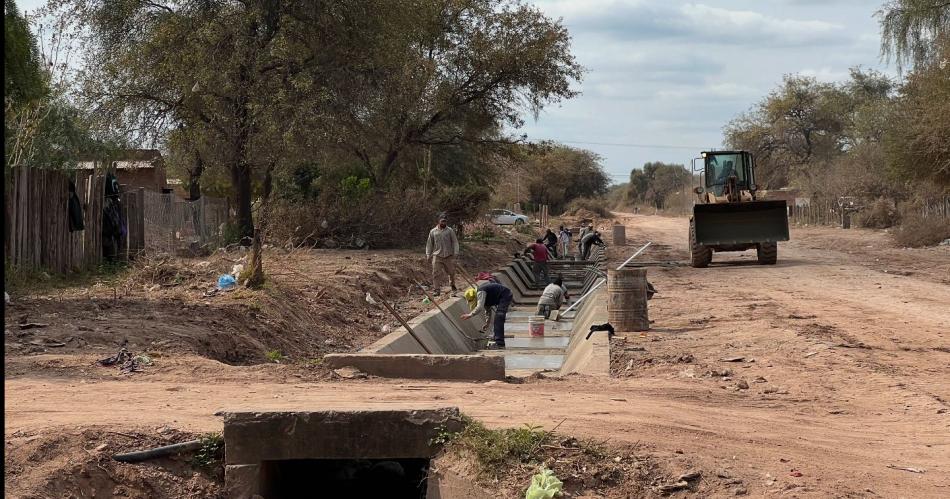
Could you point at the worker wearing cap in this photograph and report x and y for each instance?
(441, 248)
(490, 294)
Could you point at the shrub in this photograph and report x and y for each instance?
(880, 214)
(597, 206)
(496, 450)
(918, 230)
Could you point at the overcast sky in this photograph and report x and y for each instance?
(673, 72)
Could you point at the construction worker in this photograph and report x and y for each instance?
(588, 241)
(550, 241)
(487, 295)
(580, 237)
(539, 260)
(441, 247)
(553, 296)
(564, 239)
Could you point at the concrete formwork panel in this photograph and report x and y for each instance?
(459, 367)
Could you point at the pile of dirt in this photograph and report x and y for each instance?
(591, 469)
(313, 304)
(77, 462)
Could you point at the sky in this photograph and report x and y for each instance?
(671, 73)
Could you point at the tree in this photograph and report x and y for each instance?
(798, 125)
(910, 30)
(918, 138)
(24, 79)
(656, 182)
(285, 82)
(554, 174)
(42, 128)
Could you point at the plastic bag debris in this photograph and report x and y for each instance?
(237, 269)
(544, 485)
(226, 281)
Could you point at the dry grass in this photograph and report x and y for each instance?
(917, 231)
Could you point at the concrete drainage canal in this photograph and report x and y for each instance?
(387, 453)
(441, 346)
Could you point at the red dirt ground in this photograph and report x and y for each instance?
(843, 378)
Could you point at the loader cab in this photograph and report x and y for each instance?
(720, 165)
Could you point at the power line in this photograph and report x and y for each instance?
(624, 144)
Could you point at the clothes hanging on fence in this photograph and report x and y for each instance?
(74, 208)
(113, 223)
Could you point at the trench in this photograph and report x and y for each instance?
(442, 346)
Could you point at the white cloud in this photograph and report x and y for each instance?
(742, 26)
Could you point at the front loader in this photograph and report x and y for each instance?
(727, 216)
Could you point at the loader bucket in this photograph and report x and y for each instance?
(741, 223)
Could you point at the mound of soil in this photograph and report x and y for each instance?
(313, 304)
(74, 463)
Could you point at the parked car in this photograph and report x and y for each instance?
(507, 217)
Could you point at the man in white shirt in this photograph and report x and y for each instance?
(441, 247)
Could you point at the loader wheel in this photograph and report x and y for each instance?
(767, 253)
(699, 255)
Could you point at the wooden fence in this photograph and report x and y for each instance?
(36, 232)
(36, 229)
(829, 213)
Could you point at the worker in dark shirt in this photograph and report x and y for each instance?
(488, 295)
(550, 242)
(589, 241)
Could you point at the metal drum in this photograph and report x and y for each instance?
(627, 299)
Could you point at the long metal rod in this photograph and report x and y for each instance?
(599, 284)
(645, 246)
(405, 325)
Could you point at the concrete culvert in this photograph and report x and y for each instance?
(352, 453)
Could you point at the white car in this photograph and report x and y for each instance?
(506, 217)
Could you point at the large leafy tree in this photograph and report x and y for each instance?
(276, 82)
(797, 126)
(555, 174)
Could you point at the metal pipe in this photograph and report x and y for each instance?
(168, 450)
(645, 246)
(599, 284)
(446, 314)
(405, 325)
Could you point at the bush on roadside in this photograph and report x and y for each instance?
(594, 205)
(917, 230)
(880, 214)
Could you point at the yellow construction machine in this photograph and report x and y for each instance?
(727, 215)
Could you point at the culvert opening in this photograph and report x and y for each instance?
(391, 478)
(330, 453)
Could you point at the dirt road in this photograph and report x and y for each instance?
(822, 366)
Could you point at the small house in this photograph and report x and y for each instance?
(137, 168)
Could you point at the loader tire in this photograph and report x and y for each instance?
(767, 253)
(699, 255)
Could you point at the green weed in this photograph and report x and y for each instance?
(497, 449)
(274, 356)
(211, 452)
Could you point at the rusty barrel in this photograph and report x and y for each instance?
(627, 299)
(620, 235)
